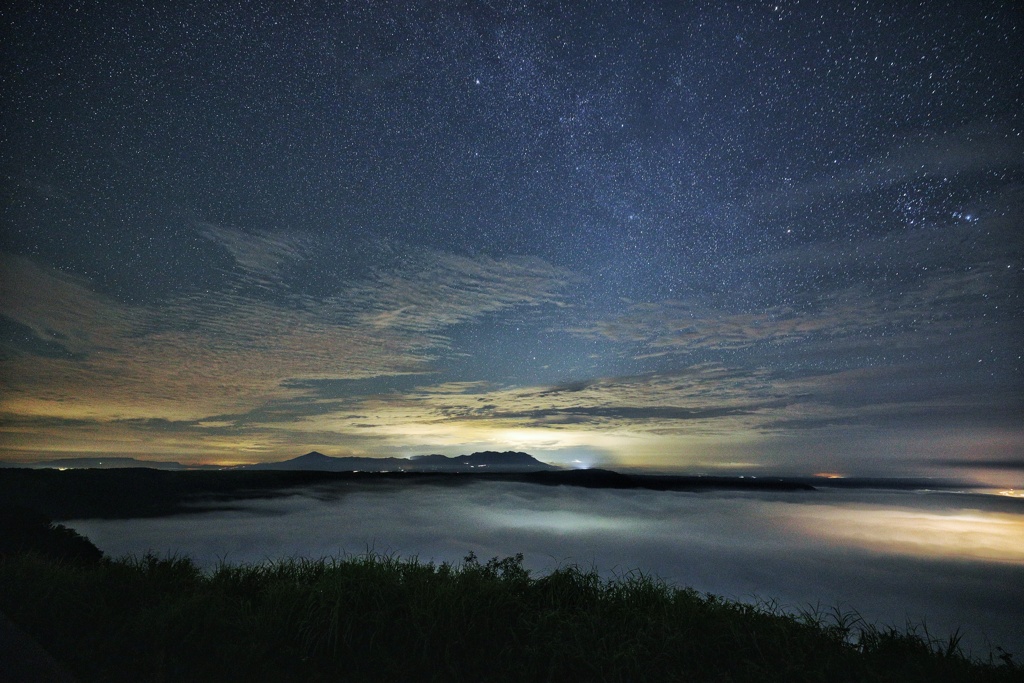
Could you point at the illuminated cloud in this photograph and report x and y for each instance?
(204, 354)
(261, 258)
(611, 418)
(438, 290)
(961, 534)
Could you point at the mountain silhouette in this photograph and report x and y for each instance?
(108, 463)
(314, 461)
(486, 461)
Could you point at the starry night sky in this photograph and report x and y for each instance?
(759, 236)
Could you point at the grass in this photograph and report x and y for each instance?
(374, 618)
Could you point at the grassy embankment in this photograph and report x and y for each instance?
(382, 618)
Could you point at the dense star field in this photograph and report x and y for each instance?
(767, 236)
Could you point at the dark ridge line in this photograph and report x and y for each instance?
(141, 492)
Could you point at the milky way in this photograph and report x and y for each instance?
(782, 236)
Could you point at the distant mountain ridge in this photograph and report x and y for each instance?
(108, 464)
(485, 461)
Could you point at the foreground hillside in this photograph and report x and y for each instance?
(384, 619)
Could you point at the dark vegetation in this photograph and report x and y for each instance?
(23, 530)
(384, 619)
(142, 492)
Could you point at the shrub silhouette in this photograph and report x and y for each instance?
(381, 618)
(23, 530)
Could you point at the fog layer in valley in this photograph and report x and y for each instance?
(947, 560)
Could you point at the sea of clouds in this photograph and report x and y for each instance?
(945, 560)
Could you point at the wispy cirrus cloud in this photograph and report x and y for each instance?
(975, 148)
(842, 316)
(910, 287)
(439, 290)
(605, 414)
(260, 257)
(189, 357)
(682, 418)
(209, 353)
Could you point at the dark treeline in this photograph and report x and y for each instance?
(142, 492)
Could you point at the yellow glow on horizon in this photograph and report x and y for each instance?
(545, 439)
(400, 429)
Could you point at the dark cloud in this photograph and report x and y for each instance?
(18, 338)
(964, 463)
(583, 413)
(568, 387)
(978, 148)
